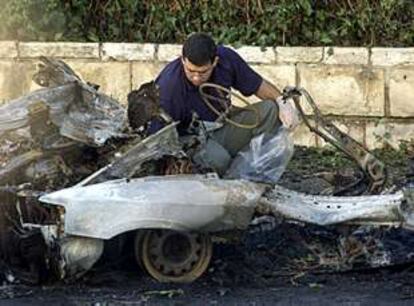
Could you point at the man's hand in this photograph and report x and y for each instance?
(288, 113)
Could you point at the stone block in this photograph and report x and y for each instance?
(8, 49)
(388, 132)
(346, 56)
(401, 132)
(113, 78)
(169, 52)
(401, 89)
(353, 128)
(59, 49)
(302, 136)
(144, 72)
(342, 90)
(392, 56)
(280, 75)
(299, 54)
(15, 79)
(127, 52)
(257, 55)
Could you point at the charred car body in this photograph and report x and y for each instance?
(76, 175)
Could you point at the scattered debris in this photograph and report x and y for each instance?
(71, 162)
(167, 293)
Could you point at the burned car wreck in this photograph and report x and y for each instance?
(75, 172)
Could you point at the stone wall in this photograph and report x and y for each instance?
(369, 93)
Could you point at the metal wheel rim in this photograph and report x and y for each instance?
(165, 267)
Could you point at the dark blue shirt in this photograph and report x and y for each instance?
(180, 98)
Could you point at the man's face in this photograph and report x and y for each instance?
(198, 75)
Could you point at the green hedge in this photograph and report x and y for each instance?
(236, 22)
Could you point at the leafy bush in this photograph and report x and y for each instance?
(236, 22)
(32, 20)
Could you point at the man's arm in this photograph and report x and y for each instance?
(267, 91)
(287, 111)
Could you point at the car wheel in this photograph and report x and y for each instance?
(172, 256)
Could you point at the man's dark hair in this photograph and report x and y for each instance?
(200, 49)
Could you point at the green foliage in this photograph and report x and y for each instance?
(236, 22)
(31, 20)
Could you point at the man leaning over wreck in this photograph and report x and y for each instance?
(203, 61)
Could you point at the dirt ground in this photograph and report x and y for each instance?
(378, 287)
(266, 267)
